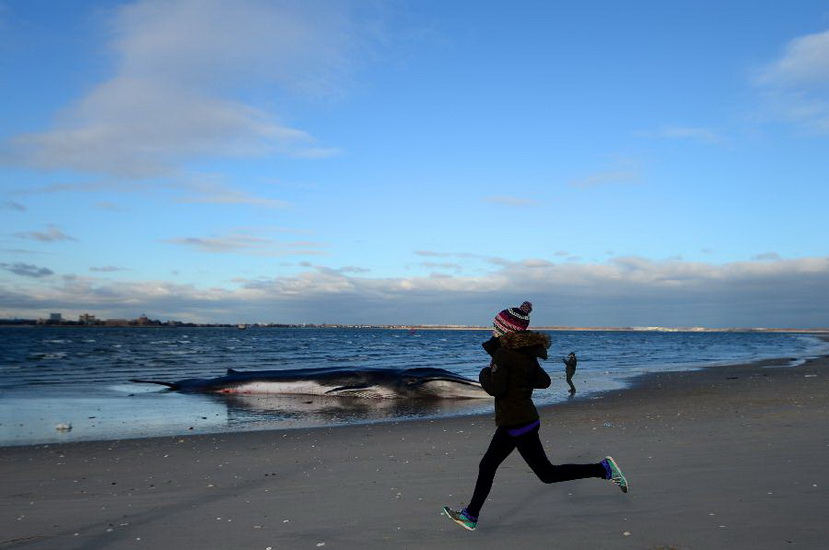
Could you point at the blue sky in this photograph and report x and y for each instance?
(617, 164)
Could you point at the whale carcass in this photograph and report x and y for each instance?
(376, 383)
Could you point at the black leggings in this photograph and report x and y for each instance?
(529, 445)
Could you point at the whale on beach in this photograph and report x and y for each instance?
(414, 383)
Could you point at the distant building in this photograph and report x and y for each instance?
(145, 321)
(55, 317)
(87, 319)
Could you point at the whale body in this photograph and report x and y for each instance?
(414, 383)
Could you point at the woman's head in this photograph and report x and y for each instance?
(512, 319)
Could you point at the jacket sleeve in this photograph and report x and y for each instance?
(494, 383)
(541, 379)
(485, 378)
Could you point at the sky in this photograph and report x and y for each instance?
(642, 163)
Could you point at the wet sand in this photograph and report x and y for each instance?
(731, 457)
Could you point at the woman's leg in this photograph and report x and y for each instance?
(500, 447)
(529, 445)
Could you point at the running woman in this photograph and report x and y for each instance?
(511, 377)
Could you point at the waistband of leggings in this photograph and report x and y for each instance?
(515, 432)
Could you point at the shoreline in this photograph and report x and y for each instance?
(646, 382)
(58, 437)
(52, 435)
(721, 457)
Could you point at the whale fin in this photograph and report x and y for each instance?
(341, 389)
(364, 392)
(168, 384)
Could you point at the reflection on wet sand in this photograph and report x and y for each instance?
(312, 410)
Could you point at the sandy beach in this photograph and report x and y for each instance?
(730, 457)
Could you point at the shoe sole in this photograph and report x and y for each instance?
(449, 513)
(615, 467)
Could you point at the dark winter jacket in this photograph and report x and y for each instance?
(513, 374)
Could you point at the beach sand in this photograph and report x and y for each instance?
(723, 458)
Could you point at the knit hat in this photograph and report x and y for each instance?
(513, 319)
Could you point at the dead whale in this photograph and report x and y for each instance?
(414, 383)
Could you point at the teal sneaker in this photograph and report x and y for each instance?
(462, 518)
(614, 474)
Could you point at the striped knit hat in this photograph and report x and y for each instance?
(513, 319)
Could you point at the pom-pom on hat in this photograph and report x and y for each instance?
(513, 319)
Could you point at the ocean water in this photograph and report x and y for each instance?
(52, 376)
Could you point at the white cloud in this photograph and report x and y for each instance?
(623, 172)
(11, 205)
(141, 129)
(443, 265)
(463, 255)
(180, 91)
(241, 242)
(107, 269)
(303, 45)
(805, 62)
(110, 206)
(82, 186)
(767, 256)
(52, 234)
(703, 135)
(27, 270)
(511, 200)
(214, 192)
(796, 85)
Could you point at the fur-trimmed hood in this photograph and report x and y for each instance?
(524, 339)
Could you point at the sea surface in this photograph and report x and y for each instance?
(52, 378)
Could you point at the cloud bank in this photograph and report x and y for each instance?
(623, 292)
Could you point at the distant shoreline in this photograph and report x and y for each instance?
(27, 323)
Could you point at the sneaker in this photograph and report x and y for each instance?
(614, 474)
(461, 518)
